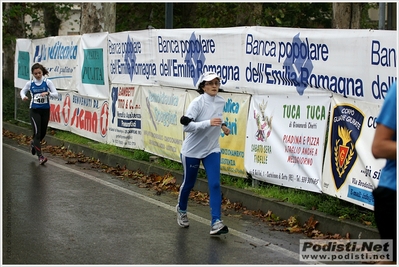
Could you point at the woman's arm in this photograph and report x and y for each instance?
(383, 146)
(52, 90)
(24, 91)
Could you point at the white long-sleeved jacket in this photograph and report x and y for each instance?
(202, 139)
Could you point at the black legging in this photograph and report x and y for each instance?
(385, 209)
(39, 120)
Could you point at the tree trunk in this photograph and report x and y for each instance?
(98, 17)
(250, 14)
(12, 29)
(347, 15)
(51, 22)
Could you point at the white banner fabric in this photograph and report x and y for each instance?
(285, 140)
(60, 110)
(358, 64)
(131, 58)
(22, 63)
(89, 117)
(125, 121)
(93, 78)
(350, 170)
(81, 115)
(269, 60)
(182, 55)
(59, 55)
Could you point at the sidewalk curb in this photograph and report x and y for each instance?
(327, 224)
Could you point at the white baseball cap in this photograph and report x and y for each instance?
(207, 76)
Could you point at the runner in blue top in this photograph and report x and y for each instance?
(384, 146)
(40, 89)
(202, 123)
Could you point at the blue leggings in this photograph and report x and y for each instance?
(212, 167)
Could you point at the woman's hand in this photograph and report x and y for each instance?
(226, 130)
(216, 121)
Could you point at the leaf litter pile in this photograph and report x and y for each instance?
(167, 183)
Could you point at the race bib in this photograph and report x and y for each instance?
(38, 99)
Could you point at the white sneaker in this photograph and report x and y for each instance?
(182, 218)
(219, 228)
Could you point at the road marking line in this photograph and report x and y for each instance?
(249, 238)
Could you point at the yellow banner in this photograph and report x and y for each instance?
(162, 131)
(232, 146)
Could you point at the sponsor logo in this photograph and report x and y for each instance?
(104, 119)
(66, 109)
(298, 62)
(345, 131)
(263, 123)
(195, 55)
(130, 57)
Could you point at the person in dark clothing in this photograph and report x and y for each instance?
(384, 147)
(40, 89)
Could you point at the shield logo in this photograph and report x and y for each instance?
(345, 131)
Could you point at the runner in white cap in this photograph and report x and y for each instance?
(202, 123)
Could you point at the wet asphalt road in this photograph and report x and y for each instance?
(68, 214)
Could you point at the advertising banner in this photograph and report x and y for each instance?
(285, 140)
(23, 62)
(124, 124)
(357, 64)
(60, 110)
(272, 60)
(350, 170)
(233, 146)
(162, 108)
(89, 117)
(93, 79)
(182, 55)
(131, 58)
(84, 116)
(59, 55)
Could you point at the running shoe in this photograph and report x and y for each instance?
(219, 228)
(182, 218)
(42, 160)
